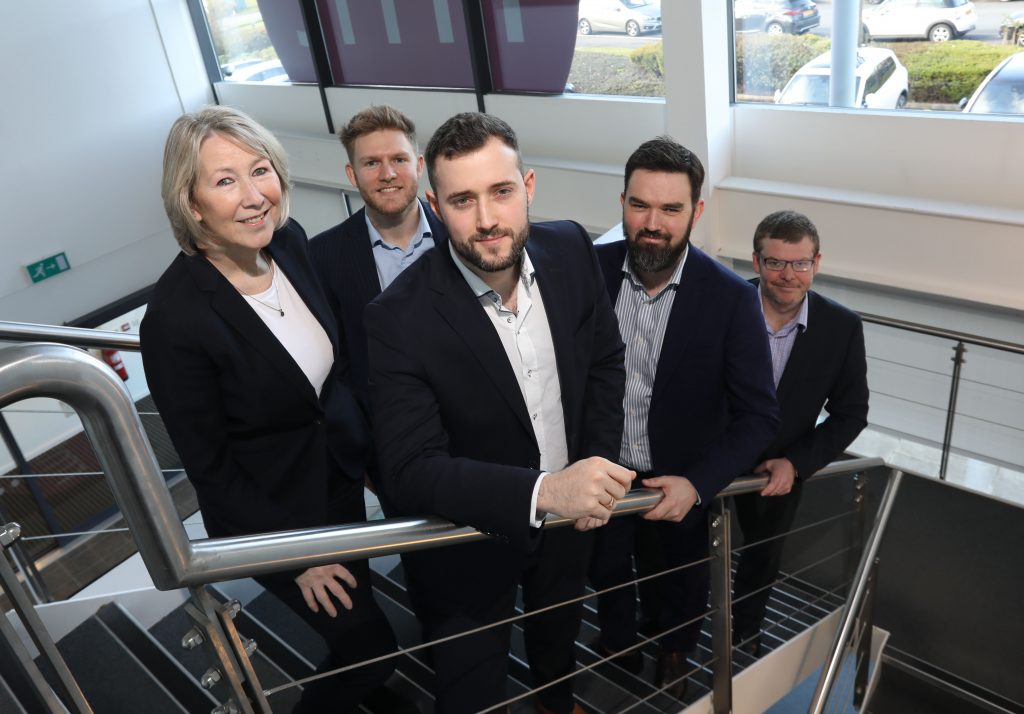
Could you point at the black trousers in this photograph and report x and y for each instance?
(353, 636)
(455, 590)
(668, 600)
(759, 518)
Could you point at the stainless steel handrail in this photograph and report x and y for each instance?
(75, 336)
(852, 606)
(954, 335)
(109, 418)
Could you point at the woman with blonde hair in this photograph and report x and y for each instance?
(240, 349)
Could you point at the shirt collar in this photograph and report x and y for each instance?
(422, 230)
(527, 273)
(672, 282)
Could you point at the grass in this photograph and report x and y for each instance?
(609, 70)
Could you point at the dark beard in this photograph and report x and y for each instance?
(475, 258)
(654, 258)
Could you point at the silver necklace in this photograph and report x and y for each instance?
(273, 283)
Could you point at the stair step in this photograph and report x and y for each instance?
(156, 659)
(110, 676)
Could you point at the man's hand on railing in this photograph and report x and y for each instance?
(585, 491)
(781, 475)
(680, 497)
(318, 584)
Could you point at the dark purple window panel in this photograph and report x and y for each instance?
(411, 43)
(287, 32)
(531, 43)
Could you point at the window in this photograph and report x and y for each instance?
(255, 46)
(777, 40)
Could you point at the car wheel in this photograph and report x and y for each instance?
(941, 33)
(632, 28)
(585, 28)
(775, 28)
(901, 103)
(865, 36)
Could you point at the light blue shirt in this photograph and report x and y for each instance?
(782, 340)
(392, 260)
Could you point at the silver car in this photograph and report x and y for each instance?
(630, 16)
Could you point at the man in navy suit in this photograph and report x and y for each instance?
(496, 376)
(357, 259)
(817, 360)
(699, 404)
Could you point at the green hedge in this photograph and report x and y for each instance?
(946, 72)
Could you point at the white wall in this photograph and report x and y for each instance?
(90, 89)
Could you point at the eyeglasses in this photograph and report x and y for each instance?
(777, 266)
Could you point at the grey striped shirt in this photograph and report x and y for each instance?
(642, 322)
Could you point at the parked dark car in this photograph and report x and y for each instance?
(775, 16)
(1012, 29)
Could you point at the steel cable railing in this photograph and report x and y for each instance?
(108, 416)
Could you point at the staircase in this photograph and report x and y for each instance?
(123, 667)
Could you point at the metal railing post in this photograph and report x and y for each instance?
(859, 527)
(954, 388)
(215, 631)
(73, 697)
(864, 633)
(850, 610)
(721, 612)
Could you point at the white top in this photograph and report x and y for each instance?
(298, 331)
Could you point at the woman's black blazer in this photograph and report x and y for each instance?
(263, 451)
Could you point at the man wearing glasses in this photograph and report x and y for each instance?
(818, 359)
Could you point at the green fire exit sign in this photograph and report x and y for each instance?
(48, 267)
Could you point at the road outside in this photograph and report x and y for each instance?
(990, 14)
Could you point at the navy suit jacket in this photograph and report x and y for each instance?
(254, 438)
(453, 433)
(713, 407)
(343, 260)
(826, 367)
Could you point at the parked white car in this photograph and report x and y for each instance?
(935, 20)
(630, 16)
(882, 81)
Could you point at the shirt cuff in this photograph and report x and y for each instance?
(537, 518)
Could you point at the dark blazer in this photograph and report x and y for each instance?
(343, 260)
(826, 367)
(454, 437)
(713, 407)
(253, 436)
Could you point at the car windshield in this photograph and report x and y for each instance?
(809, 89)
(635, 3)
(1001, 98)
(955, 3)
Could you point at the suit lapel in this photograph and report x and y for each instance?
(236, 313)
(460, 308)
(684, 320)
(554, 288)
(357, 253)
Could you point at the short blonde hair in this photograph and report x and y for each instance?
(181, 166)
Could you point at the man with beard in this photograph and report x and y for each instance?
(699, 405)
(818, 361)
(497, 384)
(359, 258)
